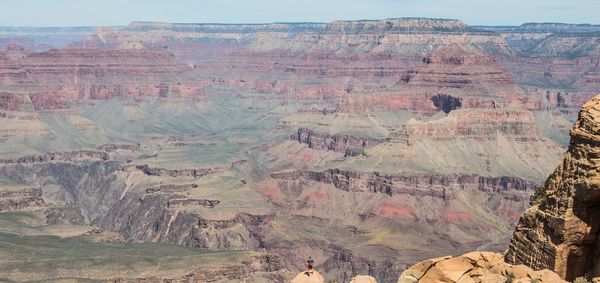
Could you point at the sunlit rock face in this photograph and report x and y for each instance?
(559, 231)
(309, 276)
(479, 267)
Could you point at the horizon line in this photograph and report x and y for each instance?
(290, 22)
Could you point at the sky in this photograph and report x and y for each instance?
(122, 12)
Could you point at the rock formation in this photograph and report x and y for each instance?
(479, 267)
(560, 231)
(151, 171)
(420, 185)
(309, 276)
(339, 143)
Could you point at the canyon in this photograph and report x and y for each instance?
(234, 152)
(555, 239)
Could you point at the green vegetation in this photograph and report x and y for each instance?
(540, 196)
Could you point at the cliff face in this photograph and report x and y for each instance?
(457, 67)
(163, 219)
(58, 78)
(339, 143)
(400, 25)
(560, 230)
(423, 185)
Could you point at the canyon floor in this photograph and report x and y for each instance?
(225, 153)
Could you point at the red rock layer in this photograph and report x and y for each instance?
(57, 78)
(477, 124)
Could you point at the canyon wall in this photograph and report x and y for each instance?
(369, 145)
(340, 143)
(559, 231)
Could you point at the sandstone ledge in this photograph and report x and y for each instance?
(474, 267)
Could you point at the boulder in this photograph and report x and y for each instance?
(309, 276)
(474, 267)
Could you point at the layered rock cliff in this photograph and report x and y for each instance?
(397, 25)
(58, 78)
(443, 127)
(416, 185)
(560, 230)
(341, 143)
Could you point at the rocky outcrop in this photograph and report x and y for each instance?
(161, 218)
(208, 203)
(175, 173)
(415, 185)
(339, 142)
(309, 276)
(560, 231)
(474, 267)
(169, 189)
